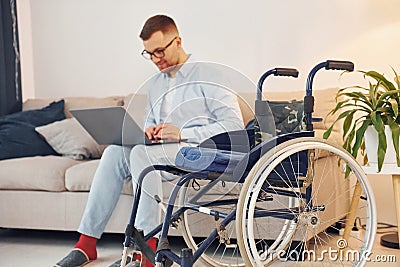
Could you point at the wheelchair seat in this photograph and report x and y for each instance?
(235, 165)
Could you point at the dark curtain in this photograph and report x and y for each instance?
(10, 86)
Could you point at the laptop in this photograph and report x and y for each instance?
(113, 125)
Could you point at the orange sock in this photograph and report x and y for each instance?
(88, 245)
(153, 244)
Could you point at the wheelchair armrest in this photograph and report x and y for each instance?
(317, 119)
(239, 141)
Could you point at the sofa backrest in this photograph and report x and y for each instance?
(75, 103)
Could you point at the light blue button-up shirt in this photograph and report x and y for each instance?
(198, 100)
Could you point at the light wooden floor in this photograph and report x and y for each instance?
(44, 248)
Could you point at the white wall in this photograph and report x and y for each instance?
(91, 47)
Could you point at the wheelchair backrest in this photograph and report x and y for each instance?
(288, 116)
(274, 118)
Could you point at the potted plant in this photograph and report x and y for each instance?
(375, 106)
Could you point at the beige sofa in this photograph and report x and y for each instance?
(50, 192)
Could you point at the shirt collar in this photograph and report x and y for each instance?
(185, 69)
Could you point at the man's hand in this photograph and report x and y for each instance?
(150, 132)
(167, 131)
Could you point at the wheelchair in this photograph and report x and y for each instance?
(261, 198)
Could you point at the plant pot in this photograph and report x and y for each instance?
(371, 147)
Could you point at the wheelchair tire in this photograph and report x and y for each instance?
(265, 208)
(217, 254)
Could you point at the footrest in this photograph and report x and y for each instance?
(138, 240)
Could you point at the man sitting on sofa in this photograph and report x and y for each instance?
(186, 101)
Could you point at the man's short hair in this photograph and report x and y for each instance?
(156, 23)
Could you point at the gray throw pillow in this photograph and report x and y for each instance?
(70, 139)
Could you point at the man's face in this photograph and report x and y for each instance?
(157, 43)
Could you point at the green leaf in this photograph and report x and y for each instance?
(377, 121)
(392, 95)
(347, 172)
(350, 138)
(394, 127)
(395, 107)
(338, 106)
(328, 132)
(359, 137)
(344, 114)
(396, 78)
(382, 145)
(355, 98)
(380, 78)
(348, 122)
(356, 95)
(372, 93)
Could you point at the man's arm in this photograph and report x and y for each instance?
(225, 116)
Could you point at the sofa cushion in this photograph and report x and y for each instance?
(79, 177)
(68, 138)
(35, 173)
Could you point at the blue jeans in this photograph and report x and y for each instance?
(119, 164)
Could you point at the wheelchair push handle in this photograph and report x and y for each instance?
(286, 72)
(309, 99)
(339, 65)
(328, 65)
(276, 72)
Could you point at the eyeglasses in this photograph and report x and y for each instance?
(158, 53)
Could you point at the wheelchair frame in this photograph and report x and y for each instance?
(164, 256)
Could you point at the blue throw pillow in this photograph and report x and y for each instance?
(38, 117)
(18, 137)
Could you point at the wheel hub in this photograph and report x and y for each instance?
(309, 219)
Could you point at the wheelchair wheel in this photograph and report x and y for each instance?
(297, 200)
(196, 225)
